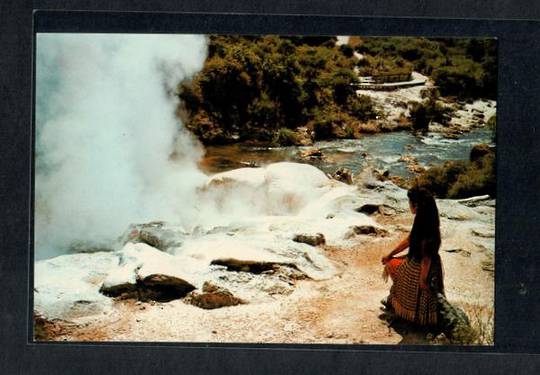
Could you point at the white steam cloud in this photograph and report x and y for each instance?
(105, 132)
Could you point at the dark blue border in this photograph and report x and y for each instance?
(517, 276)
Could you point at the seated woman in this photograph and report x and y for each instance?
(417, 277)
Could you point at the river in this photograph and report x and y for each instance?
(381, 151)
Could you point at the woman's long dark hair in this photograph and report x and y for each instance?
(425, 238)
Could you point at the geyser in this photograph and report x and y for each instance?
(105, 131)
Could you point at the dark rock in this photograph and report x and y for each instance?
(164, 288)
(369, 209)
(156, 287)
(213, 297)
(126, 290)
(310, 239)
(462, 252)
(488, 265)
(365, 230)
(245, 265)
(344, 175)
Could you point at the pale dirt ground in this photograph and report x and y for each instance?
(342, 310)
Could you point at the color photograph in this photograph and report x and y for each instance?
(265, 189)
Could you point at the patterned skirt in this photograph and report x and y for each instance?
(406, 297)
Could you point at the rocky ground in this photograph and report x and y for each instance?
(310, 289)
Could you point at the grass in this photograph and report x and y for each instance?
(482, 322)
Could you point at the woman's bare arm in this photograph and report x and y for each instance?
(399, 248)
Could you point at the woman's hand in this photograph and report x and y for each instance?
(385, 259)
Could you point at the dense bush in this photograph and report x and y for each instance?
(461, 179)
(254, 86)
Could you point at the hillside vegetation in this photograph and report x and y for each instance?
(264, 88)
(465, 68)
(253, 87)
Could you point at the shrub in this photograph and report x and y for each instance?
(479, 151)
(461, 179)
(263, 112)
(333, 123)
(419, 116)
(439, 179)
(457, 81)
(341, 81)
(286, 137)
(430, 109)
(478, 179)
(361, 107)
(346, 50)
(369, 127)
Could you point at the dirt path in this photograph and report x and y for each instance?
(344, 309)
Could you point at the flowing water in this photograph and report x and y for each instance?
(382, 151)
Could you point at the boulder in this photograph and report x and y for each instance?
(146, 273)
(212, 297)
(343, 175)
(369, 209)
(312, 240)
